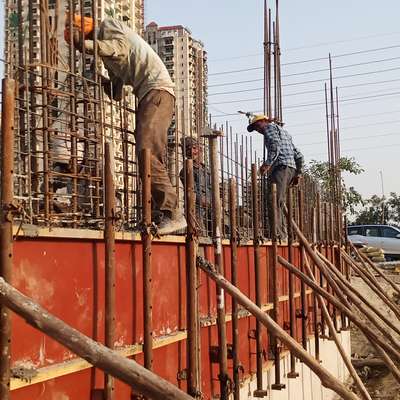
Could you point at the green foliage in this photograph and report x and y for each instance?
(378, 210)
(321, 172)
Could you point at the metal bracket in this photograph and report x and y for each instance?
(252, 334)
(286, 325)
(292, 375)
(182, 375)
(301, 315)
(260, 393)
(278, 386)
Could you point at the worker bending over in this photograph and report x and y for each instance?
(131, 61)
(284, 165)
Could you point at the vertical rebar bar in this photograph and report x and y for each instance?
(234, 278)
(145, 158)
(259, 392)
(217, 238)
(193, 382)
(275, 289)
(6, 235)
(109, 238)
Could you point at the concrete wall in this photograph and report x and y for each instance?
(307, 386)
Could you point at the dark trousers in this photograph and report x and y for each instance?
(154, 116)
(281, 176)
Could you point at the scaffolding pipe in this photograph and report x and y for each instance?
(145, 158)
(292, 307)
(377, 342)
(217, 239)
(109, 237)
(6, 235)
(234, 278)
(363, 258)
(332, 331)
(193, 381)
(327, 380)
(275, 289)
(259, 392)
(122, 368)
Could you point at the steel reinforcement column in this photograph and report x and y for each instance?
(109, 238)
(6, 235)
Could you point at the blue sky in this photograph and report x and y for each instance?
(232, 32)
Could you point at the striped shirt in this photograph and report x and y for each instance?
(281, 150)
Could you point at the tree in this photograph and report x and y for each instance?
(394, 208)
(321, 172)
(380, 210)
(372, 211)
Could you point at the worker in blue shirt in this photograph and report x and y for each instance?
(283, 166)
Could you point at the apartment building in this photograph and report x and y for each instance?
(186, 61)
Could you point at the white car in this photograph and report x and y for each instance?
(385, 237)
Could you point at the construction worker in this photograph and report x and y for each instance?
(129, 60)
(283, 166)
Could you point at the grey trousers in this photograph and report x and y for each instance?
(154, 116)
(281, 176)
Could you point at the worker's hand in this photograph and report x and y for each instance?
(78, 40)
(295, 181)
(113, 89)
(264, 169)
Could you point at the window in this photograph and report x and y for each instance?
(372, 231)
(354, 231)
(389, 232)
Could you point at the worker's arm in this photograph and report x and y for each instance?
(109, 48)
(299, 160)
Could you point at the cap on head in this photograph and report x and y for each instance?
(255, 119)
(77, 23)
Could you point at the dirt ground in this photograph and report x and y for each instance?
(379, 382)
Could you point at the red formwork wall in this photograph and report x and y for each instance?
(66, 277)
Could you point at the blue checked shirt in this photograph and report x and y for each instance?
(281, 150)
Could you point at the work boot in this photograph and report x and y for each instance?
(171, 223)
